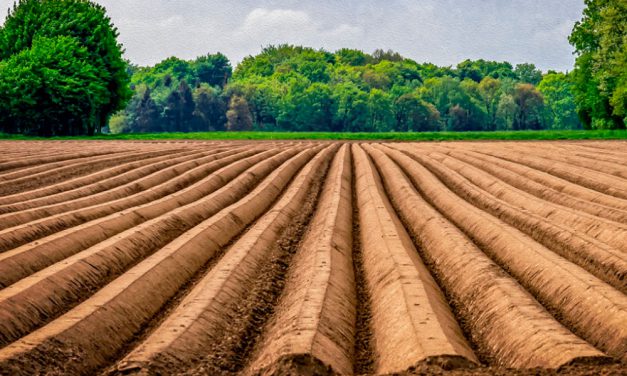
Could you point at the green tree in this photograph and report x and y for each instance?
(489, 92)
(214, 70)
(528, 73)
(315, 109)
(210, 112)
(415, 115)
(600, 75)
(147, 116)
(453, 99)
(352, 108)
(352, 57)
(477, 70)
(529, 107)
(238, 115)
(51, 89)
(557, 90)
(505, 113)
(380, 112)
(87, 23)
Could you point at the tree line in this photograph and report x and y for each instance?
(295, 88)
(62, 73)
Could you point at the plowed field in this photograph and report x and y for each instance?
(313, 258)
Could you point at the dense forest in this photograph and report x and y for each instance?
(62, 73)
(294, 88)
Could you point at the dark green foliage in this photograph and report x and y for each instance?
(415, 115)
(238, 115)
(210, 112)
(179, 109)
(146, 114)
(477, 70)
(67, 36)
(529, 108)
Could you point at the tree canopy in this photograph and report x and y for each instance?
(298, 88)
(62, 73)
(61, 68)
(600, 75)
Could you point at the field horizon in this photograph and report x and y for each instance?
(539, 135)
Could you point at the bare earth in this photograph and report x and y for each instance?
(313, 258)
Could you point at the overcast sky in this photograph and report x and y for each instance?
(443, 32)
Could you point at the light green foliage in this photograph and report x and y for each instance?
(489, 93)
(380, 111)
(557, 90)
(118, 124)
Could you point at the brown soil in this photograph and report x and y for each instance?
(233, 351)
(364, 351)
(313, 258)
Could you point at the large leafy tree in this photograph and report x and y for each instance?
(46, 25)
(51, 89)
(600, 76)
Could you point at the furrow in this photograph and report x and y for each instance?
(411, 320)
(85, 332)
(17, 236)
(92, 183)
(598, 181)
(507, 325)
(35, 181)
(38, 172)
(114, 196)
(556, 154)
(314, 321)
(33, 301)
(591, 308)
(38, 161)
(25, 260)
(605, 262)
(586, 153)
(365, 356)
(548, 188)
(210, 311)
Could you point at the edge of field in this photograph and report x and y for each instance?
(389, 136)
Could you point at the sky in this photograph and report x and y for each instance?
(443, 32)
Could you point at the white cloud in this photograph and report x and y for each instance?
(173, 21)
(280, 20)
(264, 26)
(440, 31)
